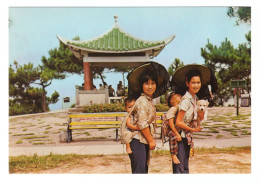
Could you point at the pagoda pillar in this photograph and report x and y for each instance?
(88, 79)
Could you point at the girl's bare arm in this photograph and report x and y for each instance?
(180, 123)
(173, 126)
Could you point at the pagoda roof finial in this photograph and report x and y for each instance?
(115, 17)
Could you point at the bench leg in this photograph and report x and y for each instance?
(69, 136)
(68, 132)
(117, 134)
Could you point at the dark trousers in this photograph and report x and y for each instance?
(139, 157)
(183, 156)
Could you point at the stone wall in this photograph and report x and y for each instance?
(88, 97)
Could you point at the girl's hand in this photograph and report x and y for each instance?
(178, 137)
(197, 129)
(152, 145)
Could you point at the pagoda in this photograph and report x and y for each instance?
(113, 48)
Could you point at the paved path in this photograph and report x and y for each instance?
(118, 148)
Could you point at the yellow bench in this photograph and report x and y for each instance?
(97, 124)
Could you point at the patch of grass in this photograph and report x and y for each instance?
(45, 132)
(212, 130)
(44, 126)
(38, 143)
(234, 133)
(213, 150)
(58, 124)
(247, 122)
(230, 129)
(245, 132)
(219, 136)
(33, 140)
(228, 114)
(23, 134)
(37, 163)
(19, 142)
(24, 130)
(235, 126)
(156, 170)
(41, 122)
(246, 128)
(56, 132)
(218, 126)
(87, 133)
(48, 128)
(221, 119)
(239, 117)
(201, 134)
(31, 125)
(198, 137)
(34, 137)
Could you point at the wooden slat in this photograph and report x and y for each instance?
(159, 121)
(102, 122)
(95, 115)
(103, 115)
(96, 123)
(97, 127)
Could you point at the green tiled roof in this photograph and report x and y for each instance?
(116, 40)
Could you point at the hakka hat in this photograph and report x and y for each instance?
(179, 76)
(161, 72)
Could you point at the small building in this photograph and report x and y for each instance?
(113, 48)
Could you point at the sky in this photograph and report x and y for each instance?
(34, 29)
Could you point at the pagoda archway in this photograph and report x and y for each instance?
(114, 48)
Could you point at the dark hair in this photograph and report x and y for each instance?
(192, 73)
(128, 100)
(146, 76)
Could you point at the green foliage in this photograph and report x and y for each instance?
(161, 107)
(174, 66)
(243, 14)
(24, 96)
(118, 107)
(104, 108)
(230, 64)
(63, 60)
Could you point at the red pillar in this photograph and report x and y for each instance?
(88, 79)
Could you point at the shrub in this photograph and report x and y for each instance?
(118, 107)
(104, 108)
(161, 107)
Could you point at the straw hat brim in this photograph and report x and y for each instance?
(161, 72)
(179, 76)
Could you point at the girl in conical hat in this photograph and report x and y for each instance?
(191, 77)
(147, 81)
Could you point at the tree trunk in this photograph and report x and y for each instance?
(44, 105)
(124, 79)
(101, 76)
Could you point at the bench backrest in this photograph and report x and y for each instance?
(118, 116)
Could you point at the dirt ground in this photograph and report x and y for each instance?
(216, 163)
(222, 123)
